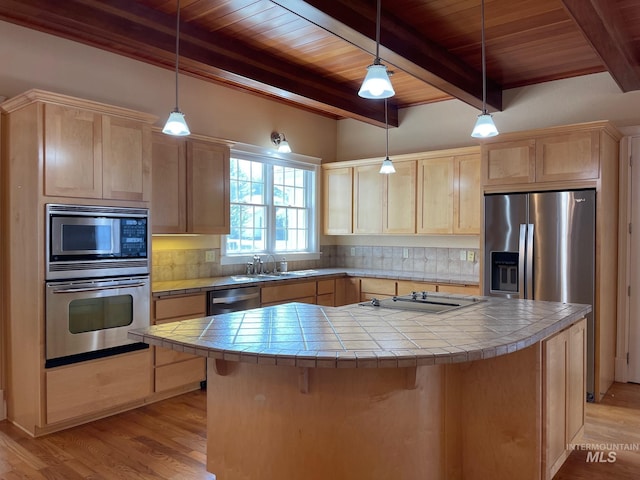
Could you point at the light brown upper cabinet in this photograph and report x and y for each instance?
(368, 190)
(190, 185)
(466, 195)
(449, 195)
(384, 203)
(558, 154)
(399, 200)
(338, 200)
(430, 193)
(92, 155)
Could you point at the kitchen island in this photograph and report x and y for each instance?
(362, 392)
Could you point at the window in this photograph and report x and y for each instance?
(272, 207)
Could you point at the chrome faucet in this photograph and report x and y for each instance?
(257, 263)
(275, 269)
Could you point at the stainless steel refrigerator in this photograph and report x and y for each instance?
(541, 246)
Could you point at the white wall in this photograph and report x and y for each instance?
(449, 124)
(32, 59)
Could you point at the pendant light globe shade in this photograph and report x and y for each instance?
(387, 166)
(485, 127)
(376, 83)
(176, 125)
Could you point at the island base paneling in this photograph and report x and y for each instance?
(479, 419)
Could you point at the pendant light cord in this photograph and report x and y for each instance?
(177, 48)
(484, 62)
(386, 126)
(378, 31)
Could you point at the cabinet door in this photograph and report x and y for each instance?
(570, 156)
(169, 197)
(467, 197)
(506, 163)
(72, 152)
(435, 195)
(368, 189)
(576, 379)
(400, 199)
(208, 187)
(126, 154)
(554, 395)
(338, 200)
(347, 291)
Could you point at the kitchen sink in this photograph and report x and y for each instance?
(425, 303)
(259, 276)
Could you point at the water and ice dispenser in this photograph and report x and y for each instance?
(504, 272)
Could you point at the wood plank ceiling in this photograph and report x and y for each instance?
(314, 53)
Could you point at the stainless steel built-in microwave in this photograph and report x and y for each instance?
(85, 241)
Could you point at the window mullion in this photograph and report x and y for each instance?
(271, 210)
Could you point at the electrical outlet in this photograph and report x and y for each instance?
(353, 251)
(210, 256)
(463, 255)
(405, 253)
(471, 256)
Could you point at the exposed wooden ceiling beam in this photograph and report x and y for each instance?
(129, 28)
(400, 46)
(603, 28)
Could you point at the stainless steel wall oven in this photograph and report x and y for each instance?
(98, 285)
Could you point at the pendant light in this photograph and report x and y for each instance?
(484, 127)
(387, 165)
(176, 124)
(376, 83)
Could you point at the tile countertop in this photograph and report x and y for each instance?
(177, 287)
(355, 336)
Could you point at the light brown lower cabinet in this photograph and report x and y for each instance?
(563, 393)
(91, 387)
(303, 292)
(172, 369)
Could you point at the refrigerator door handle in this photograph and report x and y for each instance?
(522, 253)
(529, 266)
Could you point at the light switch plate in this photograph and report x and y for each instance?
(210, 256)
(471, 256)
(463, 255)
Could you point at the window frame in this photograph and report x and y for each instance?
(271, 157)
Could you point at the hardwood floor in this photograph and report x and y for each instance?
(612, 423)
(167, 440)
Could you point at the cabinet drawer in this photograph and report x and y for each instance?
(165, 356)
(463, 289)
(179, 374)
(289, 292)
(326, 286)
(89, 387)
(406, 287)
(380, 286)
(183, 307)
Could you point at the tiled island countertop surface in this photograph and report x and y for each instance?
(357, 336)
(179, 287)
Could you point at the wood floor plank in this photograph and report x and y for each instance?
(167, 441)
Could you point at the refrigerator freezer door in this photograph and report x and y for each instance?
(503, 216)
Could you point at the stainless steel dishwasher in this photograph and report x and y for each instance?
(233, 300)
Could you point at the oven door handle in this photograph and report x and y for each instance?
(96, 289)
